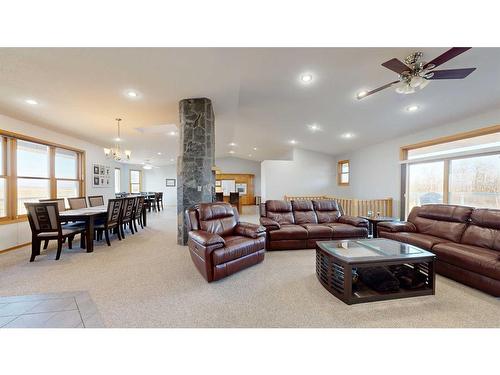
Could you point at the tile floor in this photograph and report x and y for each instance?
(55, 310)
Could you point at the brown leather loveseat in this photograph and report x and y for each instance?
(299, 224)
(465, 240)
(219, 243)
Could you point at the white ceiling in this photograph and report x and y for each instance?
(258, 98)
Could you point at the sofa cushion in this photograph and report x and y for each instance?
(424, 241)
(237, 247)
(303, 212)
(288, 232)
(484, 230)
(219, 218)
(280, 211)
(441, 220)
(473, 258)
(341, 230)
(327, 210)
(318, 230)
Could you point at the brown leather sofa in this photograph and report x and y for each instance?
(219, 243)
(299, 224)
(465, 240)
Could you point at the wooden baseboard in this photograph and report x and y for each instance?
(15, 247)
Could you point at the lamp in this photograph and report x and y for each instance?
(115, 152)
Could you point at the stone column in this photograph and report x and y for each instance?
(195, 178)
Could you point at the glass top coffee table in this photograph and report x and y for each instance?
(366, 270)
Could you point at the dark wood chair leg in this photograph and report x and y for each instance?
(131, 226)
(59, 249)
(70, 242)
(135, 225)
(35, 249)
(122, 230)
(83, 240)
(117, 231)
(45, 244)
(106, 234)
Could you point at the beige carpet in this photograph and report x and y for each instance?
(149, 281)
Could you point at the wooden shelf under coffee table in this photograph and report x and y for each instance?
(338, 261)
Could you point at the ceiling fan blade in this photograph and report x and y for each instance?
(377, 89)
(448, 55)
(451, 73)
(396, 66)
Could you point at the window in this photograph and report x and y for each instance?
(463, 170)
(118, 176)
(31, 170)
(343, 172)
(135, 181)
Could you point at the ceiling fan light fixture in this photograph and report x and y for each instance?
(416, 81)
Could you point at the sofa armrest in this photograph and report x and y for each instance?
(204, 238)
(397, 226)
(269, 223)
(249, 230)
(353, 220)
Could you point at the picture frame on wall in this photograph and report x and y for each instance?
(101, 177)
(241, 188)
(96, 169)
(170, 182)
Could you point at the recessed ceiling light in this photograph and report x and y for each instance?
(172, 159)
(347, 135)
(361, 94)
(172, 133)
(232, 144)
(306, 78)
(412, 108)
(255, 148)
(132, 94)
(31, 101)
(293, 142)
(314, 127)
(231, 151)
(159, 153)
(117, 139)
(249, 155)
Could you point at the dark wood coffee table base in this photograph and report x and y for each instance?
(336, 276)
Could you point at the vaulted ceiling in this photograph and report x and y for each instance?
(259, 99)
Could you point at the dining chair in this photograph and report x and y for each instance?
(77, 203)
(160, 200)
(219, 197)
(137, 216)
(61, 205)
(112, 219)
(127, 212)
(45, 224)
(96, 200)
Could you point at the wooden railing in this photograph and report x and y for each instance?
(354, 207)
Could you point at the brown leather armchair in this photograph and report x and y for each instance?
(219, 243)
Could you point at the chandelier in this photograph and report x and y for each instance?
(116, 152)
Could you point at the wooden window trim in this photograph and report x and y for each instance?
(403, 152)
(130, 179)
(10, 164)
(339, 173)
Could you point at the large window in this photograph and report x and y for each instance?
(31, 170)
(118, 177)
(463, 170)
(135, 181)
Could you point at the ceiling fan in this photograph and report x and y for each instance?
(415, 74)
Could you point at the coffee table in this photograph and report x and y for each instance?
(337, 264)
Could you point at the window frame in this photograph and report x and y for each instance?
(446, 159)
(135, 183)
(341, 163)
(3, 174)
(119, 181)
(9, 140)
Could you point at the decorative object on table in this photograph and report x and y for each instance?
(241, 188)
(171, 182)
(115, 152)
(101, 176)
(416, 74)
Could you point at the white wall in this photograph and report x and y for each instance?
(238, 165)
(15, 234)
(375, 170)
(154, 180)
(308, 173)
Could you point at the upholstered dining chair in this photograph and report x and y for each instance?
(127, 213)
(46, 225)
(61, 205)
(77, 203)
(112, 219)
(96, 200)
